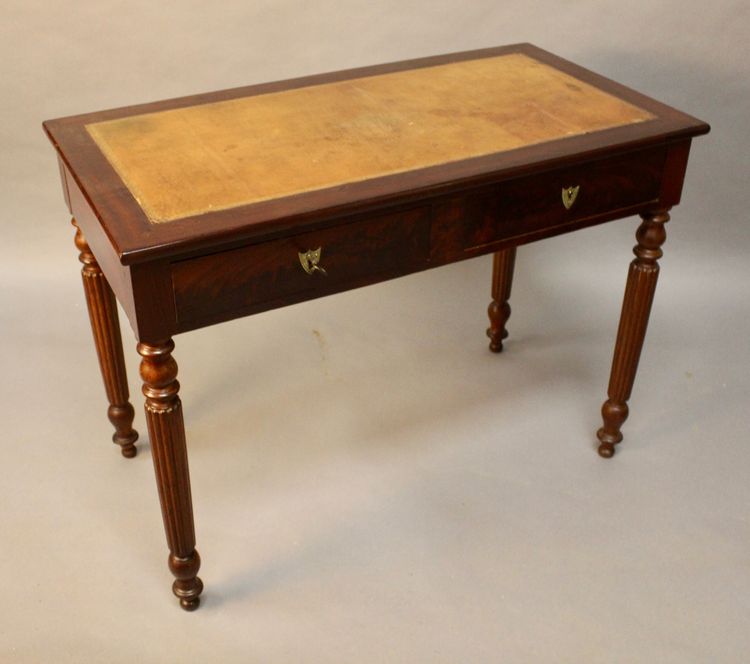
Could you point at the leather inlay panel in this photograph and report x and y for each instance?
(189, 161)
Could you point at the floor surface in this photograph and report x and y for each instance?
(371, 484)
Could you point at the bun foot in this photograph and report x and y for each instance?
(606, 450)
(496, 343)
(121, 416)
(129, 451)
(608, 440)
(187, 587)
(126, 443)
(190, 604)
(498, 310)
(188, 592)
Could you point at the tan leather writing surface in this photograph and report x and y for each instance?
(192, 160)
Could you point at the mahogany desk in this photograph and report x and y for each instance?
(198, 210)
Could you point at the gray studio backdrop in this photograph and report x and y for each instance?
(434, 514)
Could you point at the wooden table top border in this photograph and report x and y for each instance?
(135, 239)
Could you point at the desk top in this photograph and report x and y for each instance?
(192, 160)
(199, 170)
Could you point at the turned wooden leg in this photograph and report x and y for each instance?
(167, 432)
(636, 306)
(106, 328)
(499, 309)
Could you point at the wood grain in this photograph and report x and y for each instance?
(271, 272)
(167, 433)
(135, 239)
(499, 309)
(376, 213)
(105, 327)
(470, 223)
(636, 307)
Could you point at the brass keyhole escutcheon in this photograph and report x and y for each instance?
(309, 260)
(569, 195)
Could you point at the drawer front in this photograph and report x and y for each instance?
(531, 205)
(266, 275)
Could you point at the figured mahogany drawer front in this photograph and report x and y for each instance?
(527, 205)
(269, 274)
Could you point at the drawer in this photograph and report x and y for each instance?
(270, 274)
(530, 205)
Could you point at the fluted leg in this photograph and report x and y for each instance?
(167, 432)
(636, 306)
(106, 328)
(499, 309)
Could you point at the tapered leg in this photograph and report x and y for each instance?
(167, 432)
(106, 328)
(499, 309)
(636, 306)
